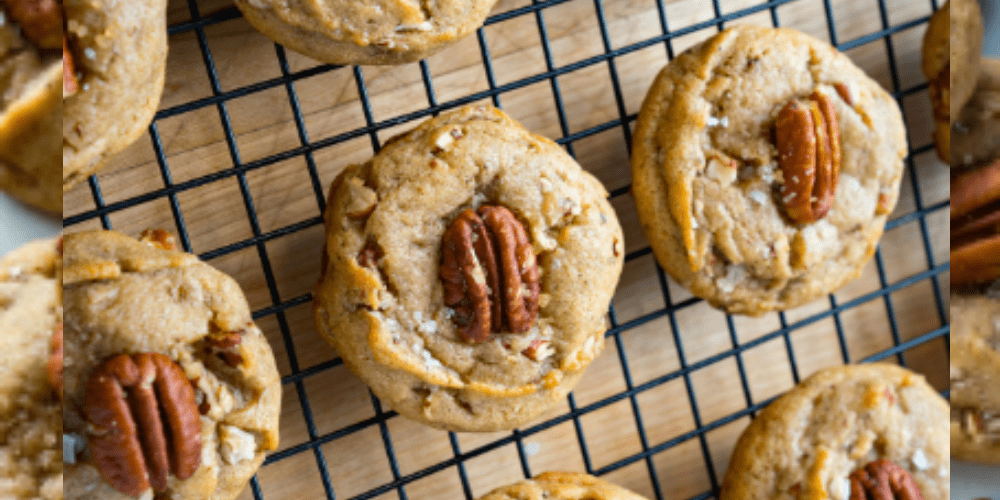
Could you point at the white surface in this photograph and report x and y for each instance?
(971, 481)
(20, 224)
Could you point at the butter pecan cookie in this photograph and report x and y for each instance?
(954, 38)
(30, 411)
(839, 434)
(975, 378)
(467, 271)
(30, 102)
(975, 136)
(562, 486)
(116, 54)
(764, 166)
(170, 389)
(370, 32)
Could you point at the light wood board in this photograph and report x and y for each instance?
(282, 193)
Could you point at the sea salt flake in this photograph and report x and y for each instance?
(718, 122)
(920, 460)
(758, 197)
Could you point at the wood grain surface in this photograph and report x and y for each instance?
(285, 197)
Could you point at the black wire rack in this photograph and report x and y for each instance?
(921, 219)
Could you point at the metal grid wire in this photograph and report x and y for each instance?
(219, 98)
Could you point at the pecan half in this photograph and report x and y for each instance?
(143, 422)
(883, 480)
(975, 226)
(40, 21)
(159, 238)
(489, 273)
(808, 141)
(70, 84)
(55, 366)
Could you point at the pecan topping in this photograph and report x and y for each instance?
(883, 480)
(808, 141)
(143, 422)
(489, 273)
(40, 21)
(975, 226)
(159, 238)
(224, 344)
(70, 84)
(55, 366)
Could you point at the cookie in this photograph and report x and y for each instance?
(30, 411)
(728, 217)
(836, 429)
(119, 52)
(141, 316)
(467, 271)
(975, 136)
(975, 371)
(562, 486)
(954, 38)
(371, 32)
(31, 107)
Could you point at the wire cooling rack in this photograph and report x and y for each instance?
(249, 136)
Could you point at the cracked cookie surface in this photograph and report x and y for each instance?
(380, 301)
(371, 32)
(119, 52)
(706, 173)
(123, 296)
(30, 412)
(975, 373)
(806, 444)
(562, 486)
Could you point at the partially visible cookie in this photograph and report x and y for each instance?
(975, 378)
(813, 442)
(31, 102)
(952, 47)
(141, 316)
(975, 136)
(562, 486)
(467, 271)
(764, 166)
(119, 52)
(370, 32)
(30, 412)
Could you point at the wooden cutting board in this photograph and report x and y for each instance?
(284, 196)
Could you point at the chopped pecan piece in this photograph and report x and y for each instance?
(808, 142)
(143, 422)
(159, 238)
(489, 273)
(70, 84)
(883, 480)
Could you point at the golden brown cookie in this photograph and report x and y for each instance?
(119, 51)
(415, 238)
(952, 47)
(30, 411)
(562, 486)
(742, 193)
(975, 136)
(975, 378)
(31, 106)
(141, 317)
(812, 442)
(371, 32)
